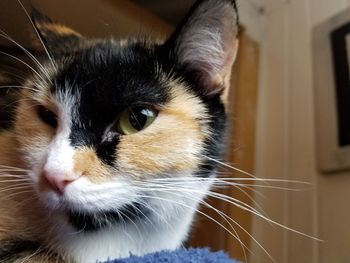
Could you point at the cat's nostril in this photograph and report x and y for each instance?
(56, 182)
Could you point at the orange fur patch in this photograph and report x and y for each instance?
(18, 200)
(9, 154)
(4, 78)
(57, 29)
(172, 143)
(30, 129)
(87, 163)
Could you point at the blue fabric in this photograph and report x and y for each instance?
(192, 255)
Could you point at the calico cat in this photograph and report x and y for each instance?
(112, 141)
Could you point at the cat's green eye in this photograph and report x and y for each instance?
(47, 116)
(135, 119)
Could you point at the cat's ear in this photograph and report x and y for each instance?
(205, 44)
(57, 38)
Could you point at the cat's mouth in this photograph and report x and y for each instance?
(89, 221)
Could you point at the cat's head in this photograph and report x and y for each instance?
(100, 120)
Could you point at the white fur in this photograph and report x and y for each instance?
(56, 158)
(60, 157)
(165, 229)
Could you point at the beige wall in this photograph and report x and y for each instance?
(286, 142)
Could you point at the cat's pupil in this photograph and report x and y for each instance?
(135, 119)
(47, 116)
(138, 117)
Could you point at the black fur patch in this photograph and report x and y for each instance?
(12, 249)
(95, 221)
(108, 78)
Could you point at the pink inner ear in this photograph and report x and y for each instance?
(212, 82)
(207, 43)
(214, 77)
(217, 85)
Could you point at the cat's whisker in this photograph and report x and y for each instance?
(30, 256)
(247, 187)
(142, 213)
(24, 202)
(16, 76)
(223, 215)
(232, 201)
(14, 180)
(211, 179)
(18, 86)
(242, 228)
(30, 55)
(10, 86)
(227, 219)
(243, 246)
(32, 106)
(132, 222)
(252, 186)
(6, 176)
(23, 183)
(17, 193)
(238, 204)
(18, 186)
(24, 63)
(13, 170)
(226, 182)
(13, 167)
(252, 199)
(271, 187)
(208, 193)
(74, 233)
(181, 194)
(18, 101)
(124, 223)
(160, 216)
(38, 35)
(228, 166)
(12, 175)
(38, 64)
(237, 186)
(197, 211)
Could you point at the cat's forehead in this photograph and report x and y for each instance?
(112, 72)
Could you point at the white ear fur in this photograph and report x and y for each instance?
(207, 42)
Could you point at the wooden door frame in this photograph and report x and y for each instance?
(240, 153)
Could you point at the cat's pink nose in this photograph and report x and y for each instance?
(56, 181)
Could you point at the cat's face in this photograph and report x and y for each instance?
(102, 119)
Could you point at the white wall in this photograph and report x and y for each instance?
(286, 142)
(251, 18)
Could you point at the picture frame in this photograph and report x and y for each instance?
(331, 64)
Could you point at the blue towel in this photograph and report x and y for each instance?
(192, 255)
